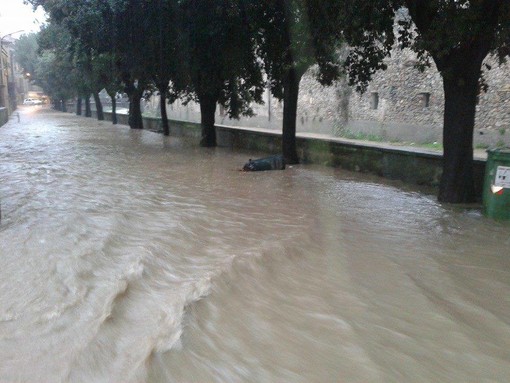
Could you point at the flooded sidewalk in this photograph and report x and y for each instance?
(128, 256)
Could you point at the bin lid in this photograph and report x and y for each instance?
(504, 152)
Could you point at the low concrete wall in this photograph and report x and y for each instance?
(4, 116)
(414, 166)
(410, 165)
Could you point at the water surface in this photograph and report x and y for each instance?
(126, 256)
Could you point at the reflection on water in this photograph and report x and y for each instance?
(126, 256)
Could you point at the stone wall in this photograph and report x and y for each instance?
(493, 110)
(411, 103)
(408, 104)
(400, 104)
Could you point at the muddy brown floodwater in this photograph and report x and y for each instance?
(126, 256)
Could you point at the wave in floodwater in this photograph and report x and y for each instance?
(126, 256)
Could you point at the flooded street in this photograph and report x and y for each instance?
(127, 256)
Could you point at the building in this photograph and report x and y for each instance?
(14, 87)
(4, 76)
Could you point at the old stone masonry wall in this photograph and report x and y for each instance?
(400, 104)
(408, 105)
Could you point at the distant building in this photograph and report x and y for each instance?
(13, 85)
(4, 76)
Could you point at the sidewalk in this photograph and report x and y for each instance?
(479, 154)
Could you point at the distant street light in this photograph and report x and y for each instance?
(12, 33)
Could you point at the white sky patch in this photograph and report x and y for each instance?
(15, 16)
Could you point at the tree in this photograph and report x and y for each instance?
(91, 26)
(53, 73)
(221, 62)
(458, 35)
(161, 23)
(106, 76)
(293, 35)
(130, 47)
(54, 68)
(25, 52)
(81, 86)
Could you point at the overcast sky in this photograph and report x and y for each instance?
(14, 15)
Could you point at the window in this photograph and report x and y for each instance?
(374, 101)
(425, 99)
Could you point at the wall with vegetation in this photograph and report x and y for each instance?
(400, 104)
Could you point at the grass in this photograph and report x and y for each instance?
(361, 136)
(432, 145)
(346, 133)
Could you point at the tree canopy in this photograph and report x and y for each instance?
(26, 51)
(221, 62)
(54, 70)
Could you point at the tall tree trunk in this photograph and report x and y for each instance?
(88, 112)
(461, 90)
(290, 100)
(207, 111)
(64, 106)
(114, 109)
(135, 110)
(99, 107)
(78, 106)
(164, 116)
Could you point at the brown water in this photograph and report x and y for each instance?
(126, 256)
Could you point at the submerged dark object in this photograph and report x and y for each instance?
(275, 162)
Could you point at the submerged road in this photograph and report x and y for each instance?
(127, 256)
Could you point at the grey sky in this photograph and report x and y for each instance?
(14, 15)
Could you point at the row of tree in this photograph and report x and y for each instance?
(227, 52)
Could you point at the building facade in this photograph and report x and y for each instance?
(13, 85)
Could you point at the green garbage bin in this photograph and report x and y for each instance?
(496, 188)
